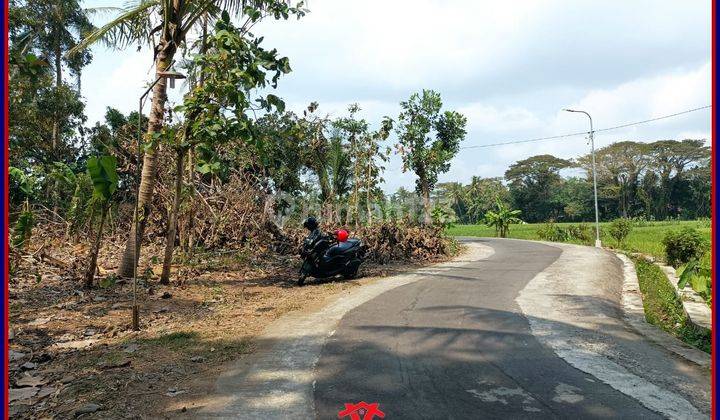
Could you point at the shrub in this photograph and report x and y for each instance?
(704, 222)
(620, 229)
(502, 219)
(581, 232)
(552, 232)
(683, 246)
(443, 217)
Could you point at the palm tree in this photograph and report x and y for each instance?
(165, 25)
(502, 219)
(339, 173)
(454, 194)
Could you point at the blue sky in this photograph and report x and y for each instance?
(510, 67)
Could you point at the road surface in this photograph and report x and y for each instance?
(527, 330)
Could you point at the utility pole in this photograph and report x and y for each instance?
(598, 244)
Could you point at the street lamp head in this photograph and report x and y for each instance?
(569, 110)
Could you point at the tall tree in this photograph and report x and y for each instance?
(52, 28)
(427, 141)
(165, 25)
(46, 113)
(670, 159)
(532, 184)
(353, 131)
(620, 165)
(483, 194)
(372, 157)
(234, 68)
(455, 195)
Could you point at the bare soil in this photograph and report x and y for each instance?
(73, 350)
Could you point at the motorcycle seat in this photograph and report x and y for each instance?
(342, 247)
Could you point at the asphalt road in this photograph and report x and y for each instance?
(456, 344)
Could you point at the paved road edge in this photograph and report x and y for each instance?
(546, 321)
(278, 381)
(635, 316)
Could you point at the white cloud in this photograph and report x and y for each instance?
(489, 118)
(509, 66)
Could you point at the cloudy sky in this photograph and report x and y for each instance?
(510, 67)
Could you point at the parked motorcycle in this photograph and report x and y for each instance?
(329, 255)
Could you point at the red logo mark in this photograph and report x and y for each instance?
(367, 411)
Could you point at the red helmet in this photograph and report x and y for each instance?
(341, 235)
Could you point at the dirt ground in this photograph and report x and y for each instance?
(73, 353)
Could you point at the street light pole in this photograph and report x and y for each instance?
(598, 244)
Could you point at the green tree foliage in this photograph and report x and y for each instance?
(427, 141)
(699, 277)
(658, 180)
(443, 216)
(234, 67)
(533, 184)
(164, 25)
(482, 196)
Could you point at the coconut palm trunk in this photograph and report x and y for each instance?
(148, 178)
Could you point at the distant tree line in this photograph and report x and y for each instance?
(656, 181)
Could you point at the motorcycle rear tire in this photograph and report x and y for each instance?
(350, 274)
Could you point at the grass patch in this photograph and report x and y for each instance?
(664, 309)
(662, 306)
(646, 238)
(175, 340)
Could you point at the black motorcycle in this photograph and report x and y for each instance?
(329, 255)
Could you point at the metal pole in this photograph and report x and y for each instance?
(598, 244)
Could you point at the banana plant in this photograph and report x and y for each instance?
(502, 219)
(698, 276)
(26, 221)
(103, 173)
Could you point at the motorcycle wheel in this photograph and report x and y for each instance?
(350, 274)
(301, 280)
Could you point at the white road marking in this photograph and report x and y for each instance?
(554, 325)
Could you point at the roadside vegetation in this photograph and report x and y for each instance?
(664, 309)
(176, 228)
(148, 249)
(682, 244)
(645, 237)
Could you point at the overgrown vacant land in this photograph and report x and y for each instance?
(662, 306)
(73, 348)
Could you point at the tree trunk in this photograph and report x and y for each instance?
(354, 210)
(191, 213)
(427, 218)
(368, 201)
(58, 82)
(269, 206)
(149, 175)
(92, 266)
(56, 126)
(369, 208)
(172, 223)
